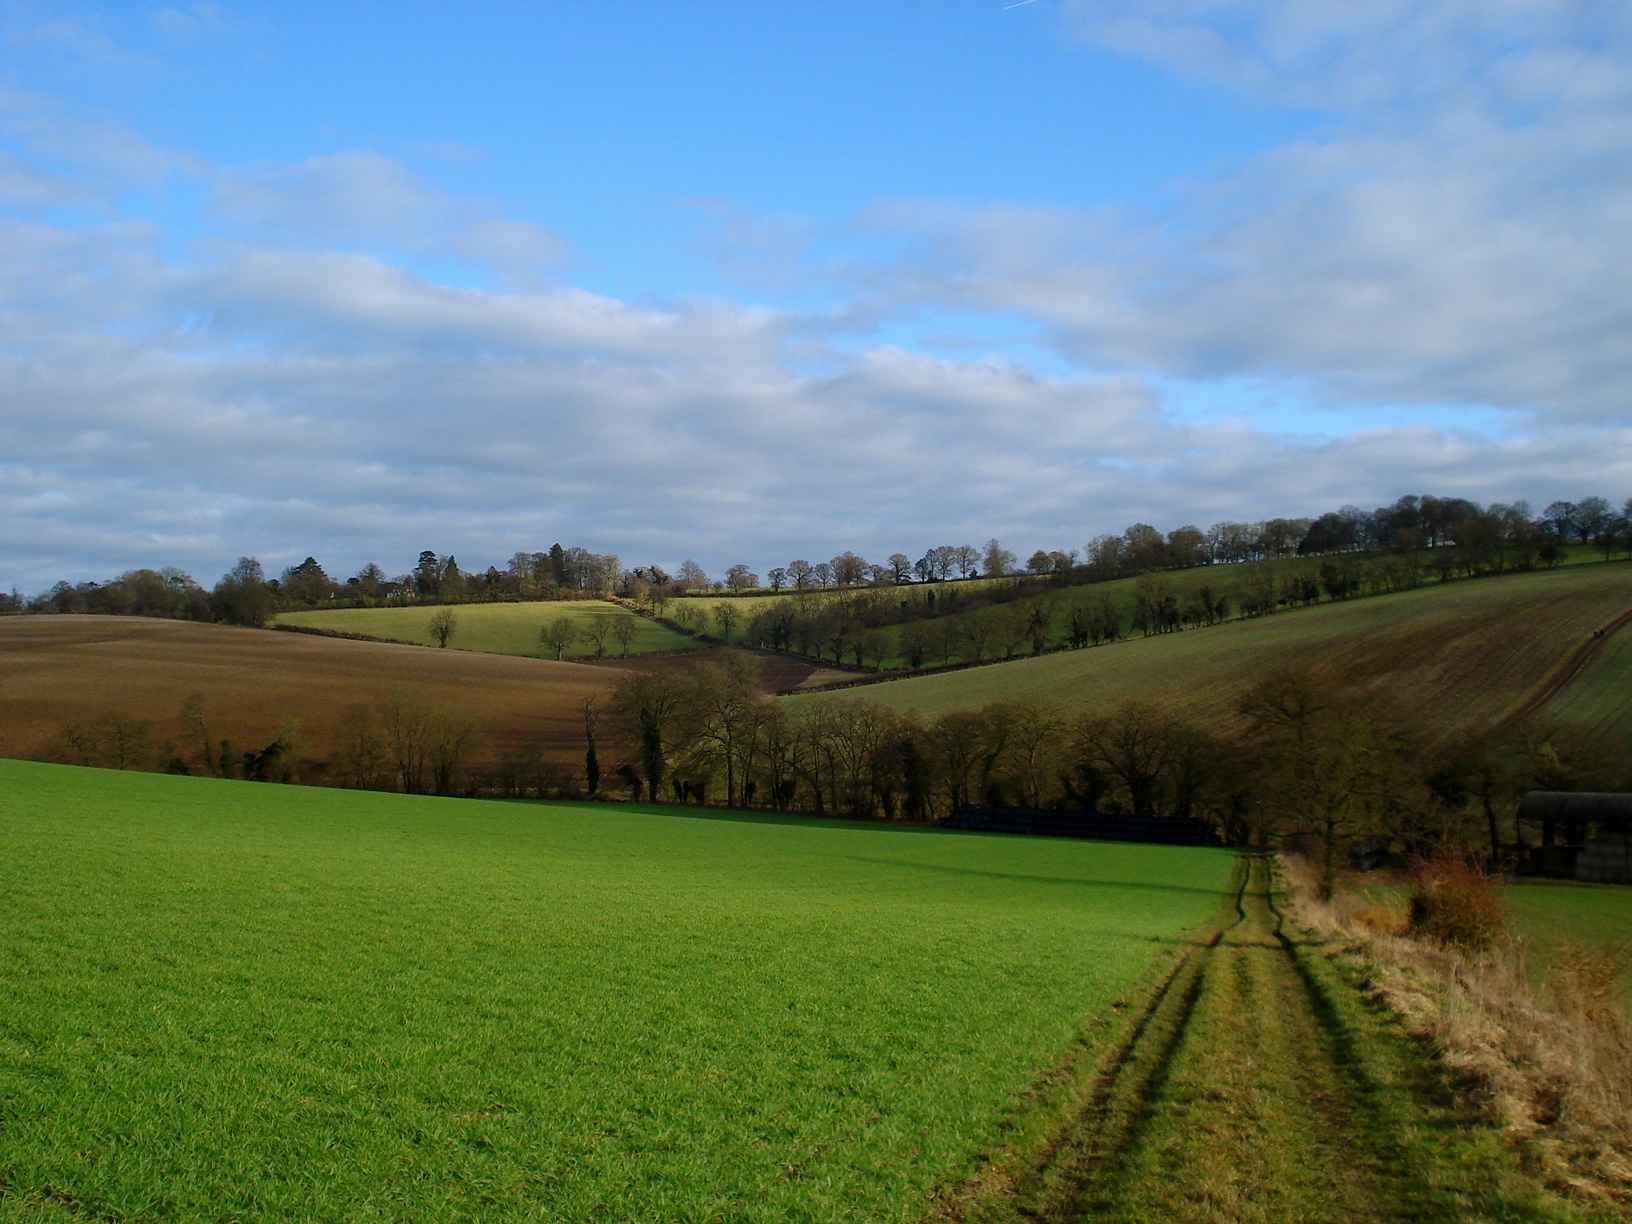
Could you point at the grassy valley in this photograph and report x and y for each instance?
(228, 1000)
(236, 1000)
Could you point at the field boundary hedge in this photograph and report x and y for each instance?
(315, 631)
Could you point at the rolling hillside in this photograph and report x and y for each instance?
(57, 669)
(1470, 651)
(1235, 583)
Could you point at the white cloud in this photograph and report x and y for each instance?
(101, 155)
(293, 382)
(1461, 234)
(1504, 55)
(369, 201)
(402, 415)
(31, 189)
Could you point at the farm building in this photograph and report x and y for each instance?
(1568, 817)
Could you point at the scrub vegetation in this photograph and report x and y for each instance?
(1525, 1024)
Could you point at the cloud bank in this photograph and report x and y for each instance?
(339, 357)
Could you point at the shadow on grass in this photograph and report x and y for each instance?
(806, 821)
(1072, 881)
(730, 815)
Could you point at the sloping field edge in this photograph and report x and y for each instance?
(1568, 670)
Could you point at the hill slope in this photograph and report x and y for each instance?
(55, 669)
(1467, 651)
(499, 628)
(1600, 697)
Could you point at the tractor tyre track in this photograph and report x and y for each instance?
(1119, 1096)
(1242, 1092)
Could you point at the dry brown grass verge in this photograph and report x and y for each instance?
(1556, 1074)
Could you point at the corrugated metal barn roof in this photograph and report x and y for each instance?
(1602, 806)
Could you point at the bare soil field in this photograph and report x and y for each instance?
(57, 669)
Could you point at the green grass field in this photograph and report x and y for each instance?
(238, 1001)
(1547, 915)
(503, 628)
(1474, 649)
(1601, 696)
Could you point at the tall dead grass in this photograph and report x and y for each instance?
(1555, 1072)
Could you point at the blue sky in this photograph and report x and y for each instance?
(749, 281)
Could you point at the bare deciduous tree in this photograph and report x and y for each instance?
(692, 576)
(597, 630)
(558, 633)
(726, 617)
(451, 735)
(442, 625)
(405, 728)
(360, 751)
(624, 630)
(592, 762)
(648, 703)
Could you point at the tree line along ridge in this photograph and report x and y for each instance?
(1502, 536)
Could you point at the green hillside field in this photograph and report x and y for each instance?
(1227, 580)
(1548, 915)
(1469, 651)
(1601, 696)
(240, 1001)
(499, 628)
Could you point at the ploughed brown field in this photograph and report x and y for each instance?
(58, 669)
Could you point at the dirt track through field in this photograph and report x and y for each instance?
(1238, 1094)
